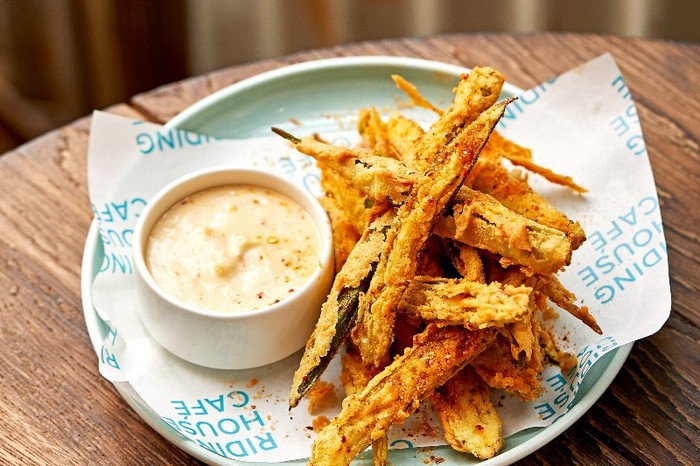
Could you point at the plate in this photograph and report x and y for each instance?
(313, 95)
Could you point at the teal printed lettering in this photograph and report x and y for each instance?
(241, 448)
(624, 250)
(619, 125)
(233, 426)
(221, 433)
(557, 382)
(604, 294)
(588, 275)
(636, 144)
(401, 443)
(517, 108)
(200, 407)
(256, 419)
(604, 264)
(201, 426)
(108, 358)
(597, 240)
(545, 411)
(163, 141)
(239, 395)
(180, 426)
(117, 238)
(564, 393)
(620, 86)
(117, 263)
(628, 121)
(112, 334)
(122, 210)
(622, 125)
(311, 182)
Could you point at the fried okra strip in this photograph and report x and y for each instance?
(465, 259)
(374, 133)
(355, 375)
(522, 156)
(463, 302)
(566, 300)
(520, 377)
(345, 234)
(409, 231)
(396, 392)
(339, 312)
(481, 221)
(490, 177)
(475, 93)
(380, 178)
(414, 94)
(469, 419)
(405, 136)
(548, 174)
(353, 205)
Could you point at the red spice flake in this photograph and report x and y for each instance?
(252, 382)
(260, 295)
(291, 290)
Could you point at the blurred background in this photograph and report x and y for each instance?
(60, 59)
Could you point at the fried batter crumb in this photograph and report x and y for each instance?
(320, 395)
(320, 422)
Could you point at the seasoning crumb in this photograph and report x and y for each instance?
(320, 395)
(320, 422)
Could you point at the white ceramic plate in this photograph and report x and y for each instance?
(311, 96)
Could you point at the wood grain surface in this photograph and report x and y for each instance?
(57, 409)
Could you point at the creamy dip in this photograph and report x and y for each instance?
(233, 248)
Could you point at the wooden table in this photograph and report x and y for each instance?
(57, 409)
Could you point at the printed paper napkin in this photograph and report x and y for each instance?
(583, 123)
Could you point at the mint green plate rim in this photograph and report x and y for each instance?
(313, 90)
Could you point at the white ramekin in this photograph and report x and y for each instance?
(231, 340)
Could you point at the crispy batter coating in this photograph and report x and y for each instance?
(338, 313)
(405, 137)
(380, 178)
(355, 375)
(414, 94)
(350, 201)
(374, 133)
(396, 392)
(345, 234)
(565, 360)
(518, 377)
(476, 93)
(565, 299)
(481, 221)
(410, 230)
(490, 177)
(409, 208)
(469, 419)
(464, 302)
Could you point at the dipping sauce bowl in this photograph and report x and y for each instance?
(214, 323)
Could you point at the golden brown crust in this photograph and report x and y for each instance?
(396, 392)
(469, 419)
